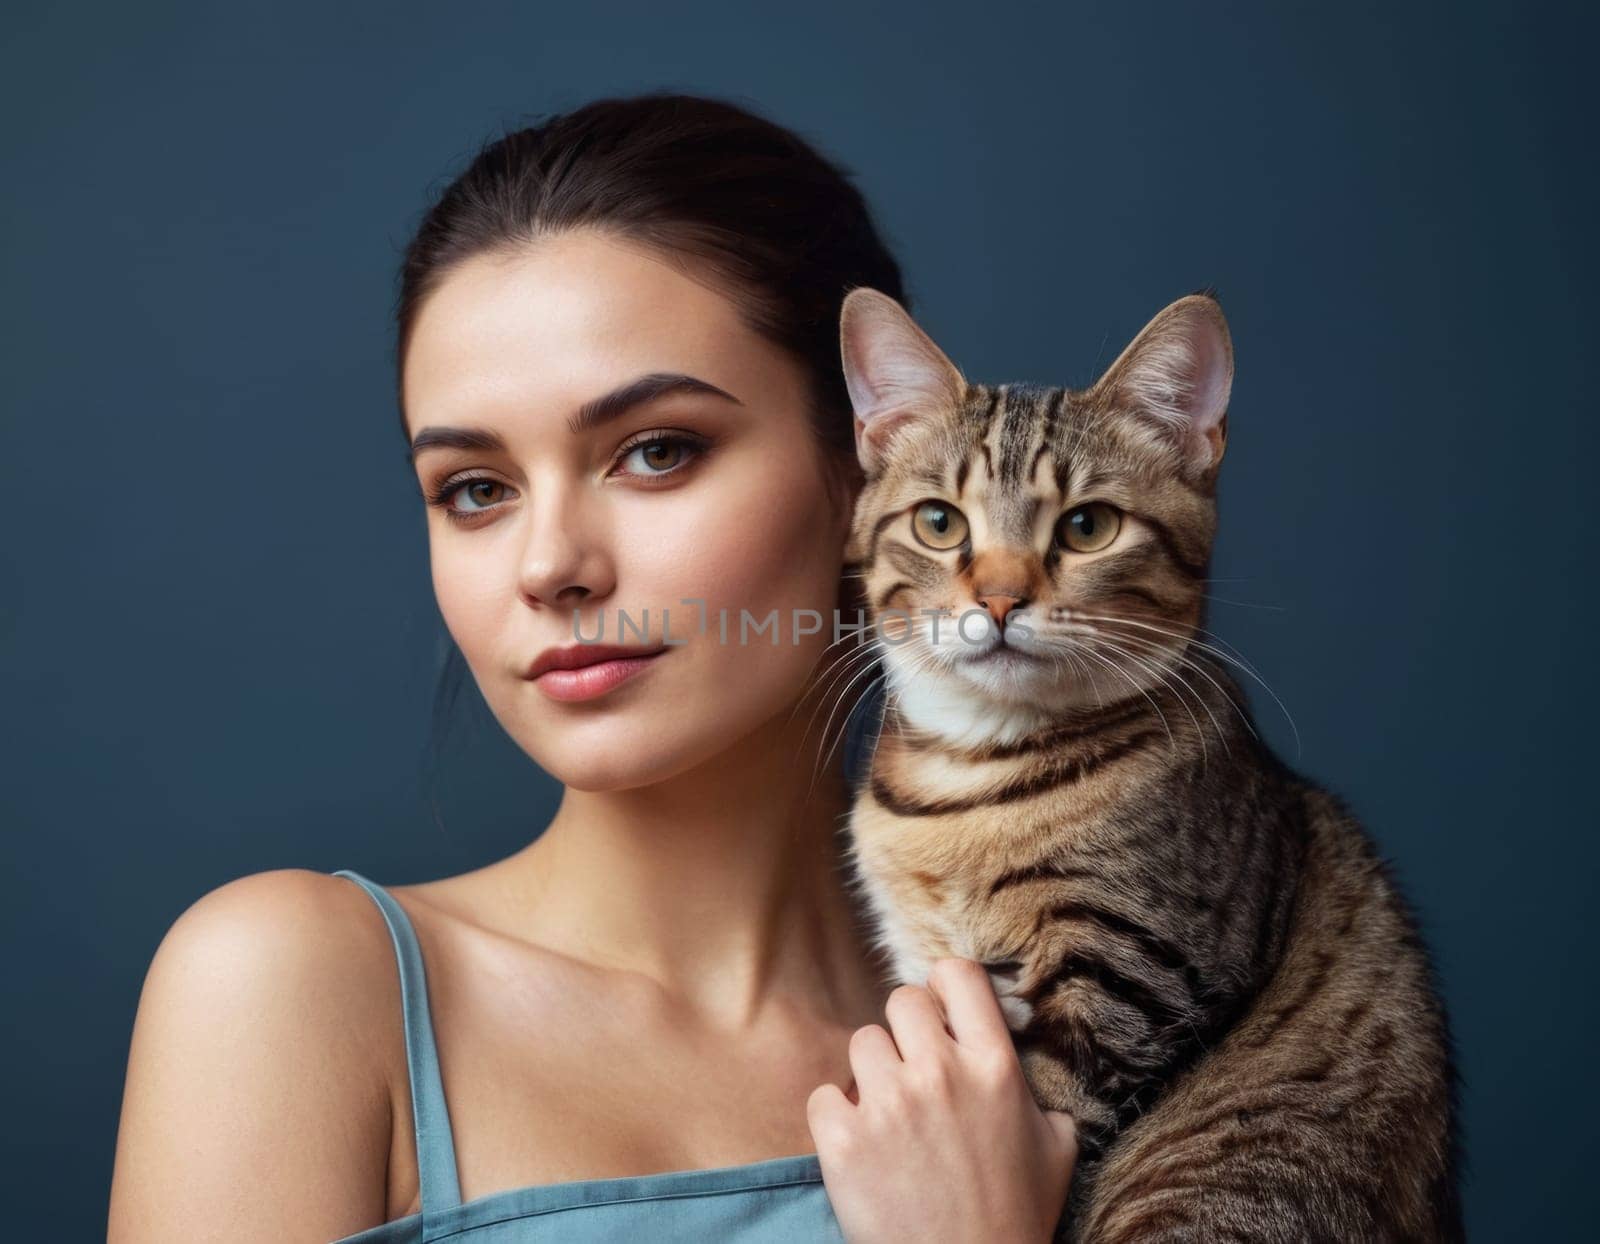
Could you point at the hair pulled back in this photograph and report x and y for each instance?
(701, 182)
(708, 185)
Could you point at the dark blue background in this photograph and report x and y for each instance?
(219, 638)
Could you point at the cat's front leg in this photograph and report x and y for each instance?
(1058, 1085)
(1057, 1080)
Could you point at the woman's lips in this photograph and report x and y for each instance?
(589, 681)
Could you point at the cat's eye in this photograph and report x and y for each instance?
(1089, 528)
(939, 525)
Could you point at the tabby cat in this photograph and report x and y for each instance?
(1199, 953)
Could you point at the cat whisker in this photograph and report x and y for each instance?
(1172, 743)
(1165, 650)
(892, 696)
(828, 757)
(848, 637)
(876, 681)
(1239, 662)
(1220, 647)
(1200, 668)
(1225, 652)
(845, 668)
(1243, 604)
(874, 648)
(819, 683)
(1162, 676)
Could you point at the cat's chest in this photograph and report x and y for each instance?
(930, 842)
(928, 882)
(927, 905)
(924, 905)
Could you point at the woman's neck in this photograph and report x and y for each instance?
(725, 885)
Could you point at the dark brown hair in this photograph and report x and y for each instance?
(707, 185)
(702, 182)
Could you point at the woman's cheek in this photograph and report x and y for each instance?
(767, 544)
(469, 602)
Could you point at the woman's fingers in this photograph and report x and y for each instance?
(1066, 1132)
(957, 1007)
(828, 1113)
(971, 1008)
(915, 1019)
(873, 1057)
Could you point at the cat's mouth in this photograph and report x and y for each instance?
(1006, 671)
(1003, 654)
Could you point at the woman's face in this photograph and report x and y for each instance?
(713, 494)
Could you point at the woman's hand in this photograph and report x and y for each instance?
(943, 1139)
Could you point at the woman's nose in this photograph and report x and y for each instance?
(562, 562)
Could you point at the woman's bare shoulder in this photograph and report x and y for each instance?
(291, 934)
(267, 1040)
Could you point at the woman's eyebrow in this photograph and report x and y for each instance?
(591, 414)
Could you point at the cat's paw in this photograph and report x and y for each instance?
(1017, 1012)
(1006, 977)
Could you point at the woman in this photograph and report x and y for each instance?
(619, 377)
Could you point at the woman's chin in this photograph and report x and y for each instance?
(620, 756)
(666, 728)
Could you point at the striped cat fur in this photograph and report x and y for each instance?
(1199, 952)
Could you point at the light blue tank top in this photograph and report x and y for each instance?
(778, 1201)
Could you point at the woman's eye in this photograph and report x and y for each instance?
(939, 525)
(660, 455)
(482, 492)
(1089, 528)
(465, 499)
(468, 497)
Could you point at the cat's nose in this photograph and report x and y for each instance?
(998, 605)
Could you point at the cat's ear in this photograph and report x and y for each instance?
(1177, 375)
(895, 374)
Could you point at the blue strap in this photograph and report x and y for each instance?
(436, 1148)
